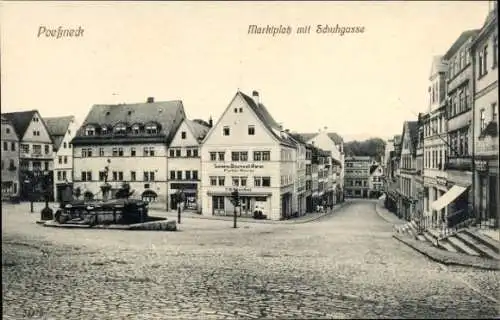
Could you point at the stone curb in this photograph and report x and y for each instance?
(247, 220)
(146, 226)
(449, 258)
(377, 209)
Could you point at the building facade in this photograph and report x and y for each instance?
(419, 174)
(484, 52)
(408, 170)
(458, 163)
(435, 145)
(10, 160)
(332, 142)
(62, 130)
(376, 182)
(114, 139)
(357, 176)
(35, 154)
(184, 165)
(248, 151)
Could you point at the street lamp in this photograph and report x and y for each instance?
(179, 198)
(47, 212)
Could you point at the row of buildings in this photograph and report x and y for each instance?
(169, 159)
(36, 152)
(443, 168)
(363, 177)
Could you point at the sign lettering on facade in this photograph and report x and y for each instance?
(239, 167)
(244, 189)
(441, 181)
(481, 165)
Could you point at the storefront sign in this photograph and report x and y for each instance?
(250, 167)
(481, 165)
(240, 189)
(441, 181)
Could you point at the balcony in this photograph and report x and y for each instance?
(459, 163)
(408, 170)
(34, 155)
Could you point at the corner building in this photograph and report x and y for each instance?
(249, 151)
(132, 141)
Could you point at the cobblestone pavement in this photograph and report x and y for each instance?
(346, 265)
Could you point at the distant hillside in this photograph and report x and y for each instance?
(373, 147)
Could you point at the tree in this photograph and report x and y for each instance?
(373, 147)
(77, 193)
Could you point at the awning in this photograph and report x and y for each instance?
(448, 197)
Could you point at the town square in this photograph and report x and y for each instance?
(190, 175)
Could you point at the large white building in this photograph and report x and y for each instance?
(62, 130)
(184, 164)
(249, 151)
(132, 141)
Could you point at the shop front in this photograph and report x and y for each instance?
(487, 192)
(184, 193)
(221, 204)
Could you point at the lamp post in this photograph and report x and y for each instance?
(179, 198)
(47, 212)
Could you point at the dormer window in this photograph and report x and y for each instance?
(136, 129)
(90, 131)
(151, 129)
(120, 129)
(104, 130)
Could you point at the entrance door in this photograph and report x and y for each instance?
(493, 201)
(245, 208)
(218, 205)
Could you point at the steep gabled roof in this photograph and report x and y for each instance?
(268, 121)
(337, 139)
(198, 130)
(413, 131)
(58, 126)
(168, 114)
(20, 120)
(464, 36)
(374, 167)
(438, 66)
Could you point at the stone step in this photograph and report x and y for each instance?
(477, 246)
(446, 245)
(484, 239)
(434, 233)
(429, 237)
(461, 246)
(421, 237)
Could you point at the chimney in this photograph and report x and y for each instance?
(256, 98)
(151, 99)
(210, 122)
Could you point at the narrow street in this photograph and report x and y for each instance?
(345, 265)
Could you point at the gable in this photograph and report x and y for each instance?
(36, 124)
(238, 116)
(190, 140)
(323, 141)
(8, 131)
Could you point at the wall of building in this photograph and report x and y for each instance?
(10, 160)
(125, 164)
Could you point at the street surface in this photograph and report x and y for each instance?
(345, 265)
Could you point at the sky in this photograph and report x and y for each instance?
(359, 85)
